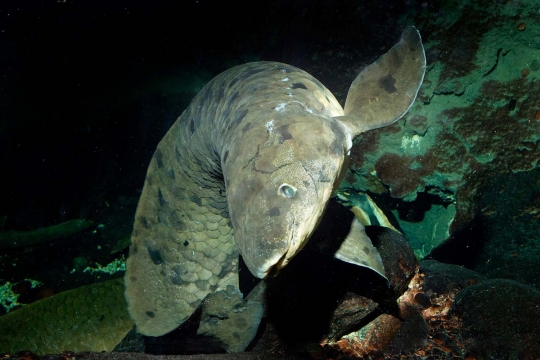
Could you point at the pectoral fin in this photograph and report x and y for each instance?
(358, 249)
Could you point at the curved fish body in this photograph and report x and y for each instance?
(247, 169)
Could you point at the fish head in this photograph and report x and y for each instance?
(279, 186)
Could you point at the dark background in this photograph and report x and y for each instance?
(78, 118)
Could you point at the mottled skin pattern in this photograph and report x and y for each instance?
(183, 228)
(260, 149)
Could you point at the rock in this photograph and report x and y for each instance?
(510, 207)
(386, 333)
(398, 258)
(441, 283)
(350, 312)
(501, 320)
(431, 294)
(412, 334)
(373, 338)
(417, 323)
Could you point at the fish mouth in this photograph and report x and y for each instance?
(273, 271)
(289, 253)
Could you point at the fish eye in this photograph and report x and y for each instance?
(287, 191)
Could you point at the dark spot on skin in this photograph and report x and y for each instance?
(219, 95)
(150, 314)
(155, 255)
(366, 250)
(186, 243)
(225, 114)
(175, 276)
(323, 178)
(163, 218)
(159, 158)
(233, 81)
(388, 83)
(327, 99)
(204, 94)
(225, 156)
(274, 211)
(101, 317)
(284, 132)
(178, 156)
(197, 200)
(133, 278)
(239, 117)
(306, 183)
(192, 126)
(134, 249)
(234, 97)
(171, 173)
(248, 127)
(202, 285)
(161, 200)
(178, 224)
(144, 222)
(236, 335)
(177, 280)
(298, 85)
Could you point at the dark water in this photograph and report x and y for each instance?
(88, 88)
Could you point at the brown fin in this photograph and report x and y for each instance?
(358, 249)
(383, 92)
